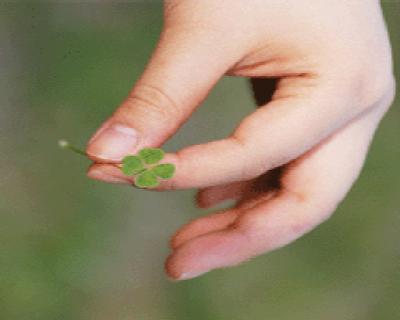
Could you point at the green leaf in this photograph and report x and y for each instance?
(151, 155)
(147, 179)
(132, 165)
(164, 170)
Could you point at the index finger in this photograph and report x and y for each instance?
(273, 135)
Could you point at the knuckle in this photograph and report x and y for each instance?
(390, 91)
(377, 88)
(153, 102)
(373, 82)
(365, 76)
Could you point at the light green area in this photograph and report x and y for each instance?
(73, 248)
(147, 179)
(164, 170)
(151, 155)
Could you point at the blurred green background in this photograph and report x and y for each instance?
(73, 248)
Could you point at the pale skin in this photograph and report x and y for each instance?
(333, 63)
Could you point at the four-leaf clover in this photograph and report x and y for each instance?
(146, 168)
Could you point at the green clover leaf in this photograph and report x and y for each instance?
(146, 179)
(164, 170)
(151, 155)
(132, 165)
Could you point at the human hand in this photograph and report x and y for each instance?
(335, 82)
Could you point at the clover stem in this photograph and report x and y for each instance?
(139, 172)
(66, 145)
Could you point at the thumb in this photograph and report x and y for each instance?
(178, 77)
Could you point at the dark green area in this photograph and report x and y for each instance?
(72, 248)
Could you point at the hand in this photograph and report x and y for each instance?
(335, 82)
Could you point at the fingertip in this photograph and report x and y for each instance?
(208, 252)
(99, 131)
(203, 225)
(173, 273)
(209, 197)
(200, 200)
(112, 142)
(106, 173)
(180, 237)
(172, 243)
(170, 268)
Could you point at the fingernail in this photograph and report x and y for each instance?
(104, 176)
(113, 143)
(98, 132)
(190, 275)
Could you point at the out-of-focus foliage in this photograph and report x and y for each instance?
(73, 248)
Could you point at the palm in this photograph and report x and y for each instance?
(278, 206)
